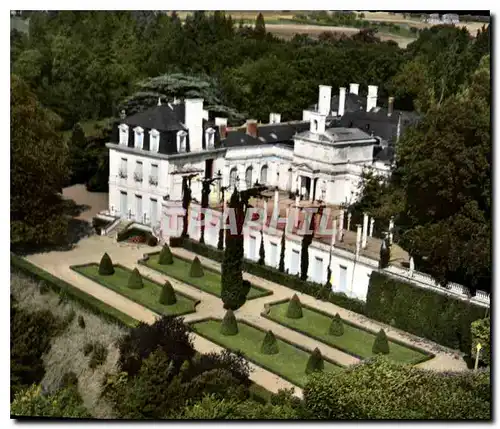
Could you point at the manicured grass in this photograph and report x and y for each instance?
(355, 341)
(148, 296)
(209, 283)
(290, 363)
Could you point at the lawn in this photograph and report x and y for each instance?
(209, 283)
(290, 363)
(148, 296)
(355, 341)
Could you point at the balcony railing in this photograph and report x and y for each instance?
(122, 173)
(153, 180)
(138, 177)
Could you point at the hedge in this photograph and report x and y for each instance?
(83, 299)
(422, 312)
(272, 274)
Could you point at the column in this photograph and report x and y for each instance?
(349, 216)
(296, 212)
(372, 223)
(391, 227)
(358, 239)
(341, 224)
(365, 230)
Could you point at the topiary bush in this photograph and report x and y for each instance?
(294, 310)
(106, 266)
(229, 326)
(135, 280)
(381, 345)
(99, 355)
(81, 322)
(337, 326)
(165, 257)
(88, 348)
(315, 362)
(167, 296)
(196, 268)
(269, 344)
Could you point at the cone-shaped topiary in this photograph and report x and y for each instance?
(337, 326)
(315, 362)
(196, 268)
(135, 280)
(106, 266)
(294, 310)
(269, 344)
(381, 345)
(167, 296)
(229, 325)
(165, 257)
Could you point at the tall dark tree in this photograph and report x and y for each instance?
(260, 27)
(186, 201)
(306, 242)
(281, 266)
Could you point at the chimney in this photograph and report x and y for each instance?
(391, 106)
(341, 108)
(317, 123)
(194, 122)
(252, 127)
(222, 124)
(205, 114)
(354, 88)
(274, 118)
(325, 99)
(371, 99)
(365, 230)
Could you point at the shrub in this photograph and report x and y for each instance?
(135, 280)
(177, 241)
(380, 345)
(69, 379)
(167, 296)
(294, 310)
(315, 362)
(69, 317)
(99, 355)
(337, 326)
(229, 326)
(480, 331)
(269, 344)
(106, 266)
(81, 322)
(152, 240)
(196, 268)
(281, 265)
(165, 257)
(44, 288)
(262, 251)
(88, 348)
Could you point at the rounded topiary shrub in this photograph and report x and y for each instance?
(315, 362)
(337, 326)
(294, 310)
(167, 296)
(381, 344)
(196, 268)
(81, 322)
(269, 344)
(229, 325)
(106, 266)
(135, 280)
(165, 257)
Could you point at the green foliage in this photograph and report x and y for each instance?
(304, 252)
(167, 296)
(294, 310)
(422, 312)
(229, 326)
(380, 344)
(480, 332)
(81, 322)
(262, 251)
(337, 326)
(106, 266)
(135, 280)
(69, 317)
(269, 344)
(99, 355)
(196, 268)
(165, 257)
(315, 362)
(281, 266)
(88, 348)
(383, 389)
(385, 254)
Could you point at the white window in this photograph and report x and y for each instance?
(232, 177)
(295, 262)
(263, 175)
(343, 279)
(123, 134)
(138, 171)
(273, 256)
(139, 137)
(123, 168)
(317, 273)
(181, 141)
(252, 247)
(248, 177)
(154, 140)
(153, 178)
(210, 138)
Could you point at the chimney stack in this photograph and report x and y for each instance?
(194, 122)
(324, 100)
(354, 88)
(274, 118)
(252, 127)
(341, 108)
(222, 124)
(391, 106)
(371, 99)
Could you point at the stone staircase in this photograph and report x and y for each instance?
(121, 226)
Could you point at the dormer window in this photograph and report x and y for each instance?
(139, 137)
(123, 134)
(154, 140)
(181, 141)
(210, 138)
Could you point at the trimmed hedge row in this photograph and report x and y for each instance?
(273, 275)
(422, 312)
(59, 286)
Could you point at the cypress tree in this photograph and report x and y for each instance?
(135, 280)
(196, 268)
(315, 362)
(165, 257)
(186, 201)
(381, 344)
(281, 265)
(337, 326)
(385, 254)
(269, 344)
(229, 326)
(106, 266)
(260, 27)
(294, 310)
(262, 254)
(167, 296)
(304, 254)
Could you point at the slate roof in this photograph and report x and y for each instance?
(162, 118)
(353, 103)
(337, 135)
(267, 134)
